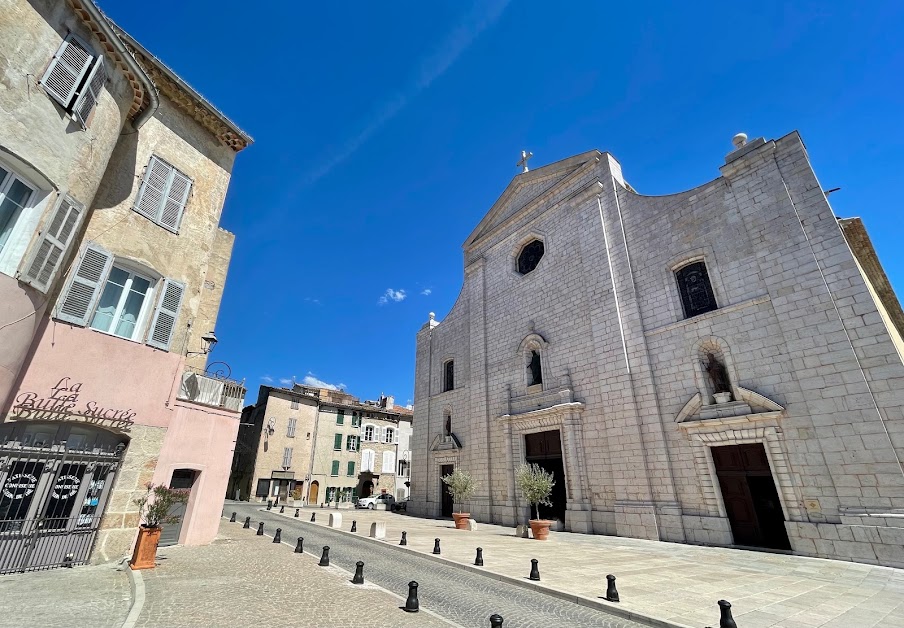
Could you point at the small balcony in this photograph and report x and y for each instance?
(211, 389)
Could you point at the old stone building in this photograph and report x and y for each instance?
(718, 366)
(113, 174)
(319, 445)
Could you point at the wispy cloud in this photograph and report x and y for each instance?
(312, 301)
(266, 379)
(311, 380)
(481, 16)
(286, 381)
(391, 295)
(426, 292)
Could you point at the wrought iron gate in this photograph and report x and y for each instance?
(51, 502)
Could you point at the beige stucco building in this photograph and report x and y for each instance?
(113, 174)
(718, 366)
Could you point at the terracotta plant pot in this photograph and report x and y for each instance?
(145, 548)
(540, 528)
(461, 520)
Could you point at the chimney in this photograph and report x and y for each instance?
(387, 402)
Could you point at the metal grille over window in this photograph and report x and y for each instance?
(530, 256)
(696, 291)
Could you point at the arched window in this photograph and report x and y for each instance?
(695, 289)
(388, 435)
(369, 433)
(449, 375)
(530, 256)
(534, 369)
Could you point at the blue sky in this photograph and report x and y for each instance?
(385, 130)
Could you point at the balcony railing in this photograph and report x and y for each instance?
(211, 389)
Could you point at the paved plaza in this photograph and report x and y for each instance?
(674, 582)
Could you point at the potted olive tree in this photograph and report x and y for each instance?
(536, 486)
(461, 487)
(154, 509)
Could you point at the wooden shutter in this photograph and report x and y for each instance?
(164, 322)
(48, 254)
(287, 457)
(174, 202)
(335, 469)
(351, 467)
(291, 429)
(78, 300)
(388, 462)
(153, 188)
(90, 92)
(337, 441)
(66, 70)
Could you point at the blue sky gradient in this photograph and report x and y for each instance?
(385, 131)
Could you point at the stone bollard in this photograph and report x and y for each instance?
(436, 546)
(325, 557)
(726, 620)
(282, 510)
(269, 504)
(260, 529)
(611, 591)
(299, 546)
(359, 573)
(404, 540)
(313, 516)
(522, 531)
(479, 560)
(247, 523)
(277, 538)
(472, 525)
(335, 520)
(354, 526)
(297, 510)
(534, 571)
(232, 518)
(378, 530)
(411, 604)
(495, 621)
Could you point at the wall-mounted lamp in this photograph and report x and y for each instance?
(208, 341)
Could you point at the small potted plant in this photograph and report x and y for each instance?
(154, 509)
(536, 486)
(461, 487)
(297, 493)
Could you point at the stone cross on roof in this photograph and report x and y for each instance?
(525, 155)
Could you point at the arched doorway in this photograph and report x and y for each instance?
(367, 489)
(313, 492)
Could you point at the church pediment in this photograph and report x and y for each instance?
(446, 442)
(526, 188)
(749, 405)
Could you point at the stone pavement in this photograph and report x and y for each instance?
(95, 596)
(670, 581)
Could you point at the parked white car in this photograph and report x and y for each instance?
(372, 501)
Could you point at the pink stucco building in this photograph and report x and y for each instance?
(113, 174)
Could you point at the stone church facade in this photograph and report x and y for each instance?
(719, 366)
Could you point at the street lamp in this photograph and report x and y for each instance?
(208, 341)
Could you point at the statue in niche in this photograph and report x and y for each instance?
(448, 425)
(718, 375)
(536, 373)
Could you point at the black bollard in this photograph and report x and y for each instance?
(282, 509)
(479, 560)
(299, 547)
(354, 526)
(321, 505)
(611, 591)
(247, 523)
(232, 518)
(359, 573)
(297, 510)
(534, 571)
(404, 540)
(411, 604)
(278, 537)
(269, 504)
(325, 557)
(313, 516)
(436, 546)
(260, 529)
(726, 620)
(495, 621)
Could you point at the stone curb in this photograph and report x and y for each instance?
(136, 582)
(600, 605)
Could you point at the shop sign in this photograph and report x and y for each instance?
(64, 404)
(20, 485)
(66, 486)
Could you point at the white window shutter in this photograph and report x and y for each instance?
(66, 70)
(90, 92)
(41, 266)
(176, 198)
(395, 437)
(163, 325)
(388, 462)
(78, 300)
(153, 188)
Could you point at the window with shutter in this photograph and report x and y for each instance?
(351, 468)
(389, 435)
(90, 93)
(334, 471)
(340, 417)
(388, 462)
(337, 441)
(287, 457)
(291, 429)
(163, 194)
(66, 70)
(41, 267)
(79, 298)
(163, 325)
